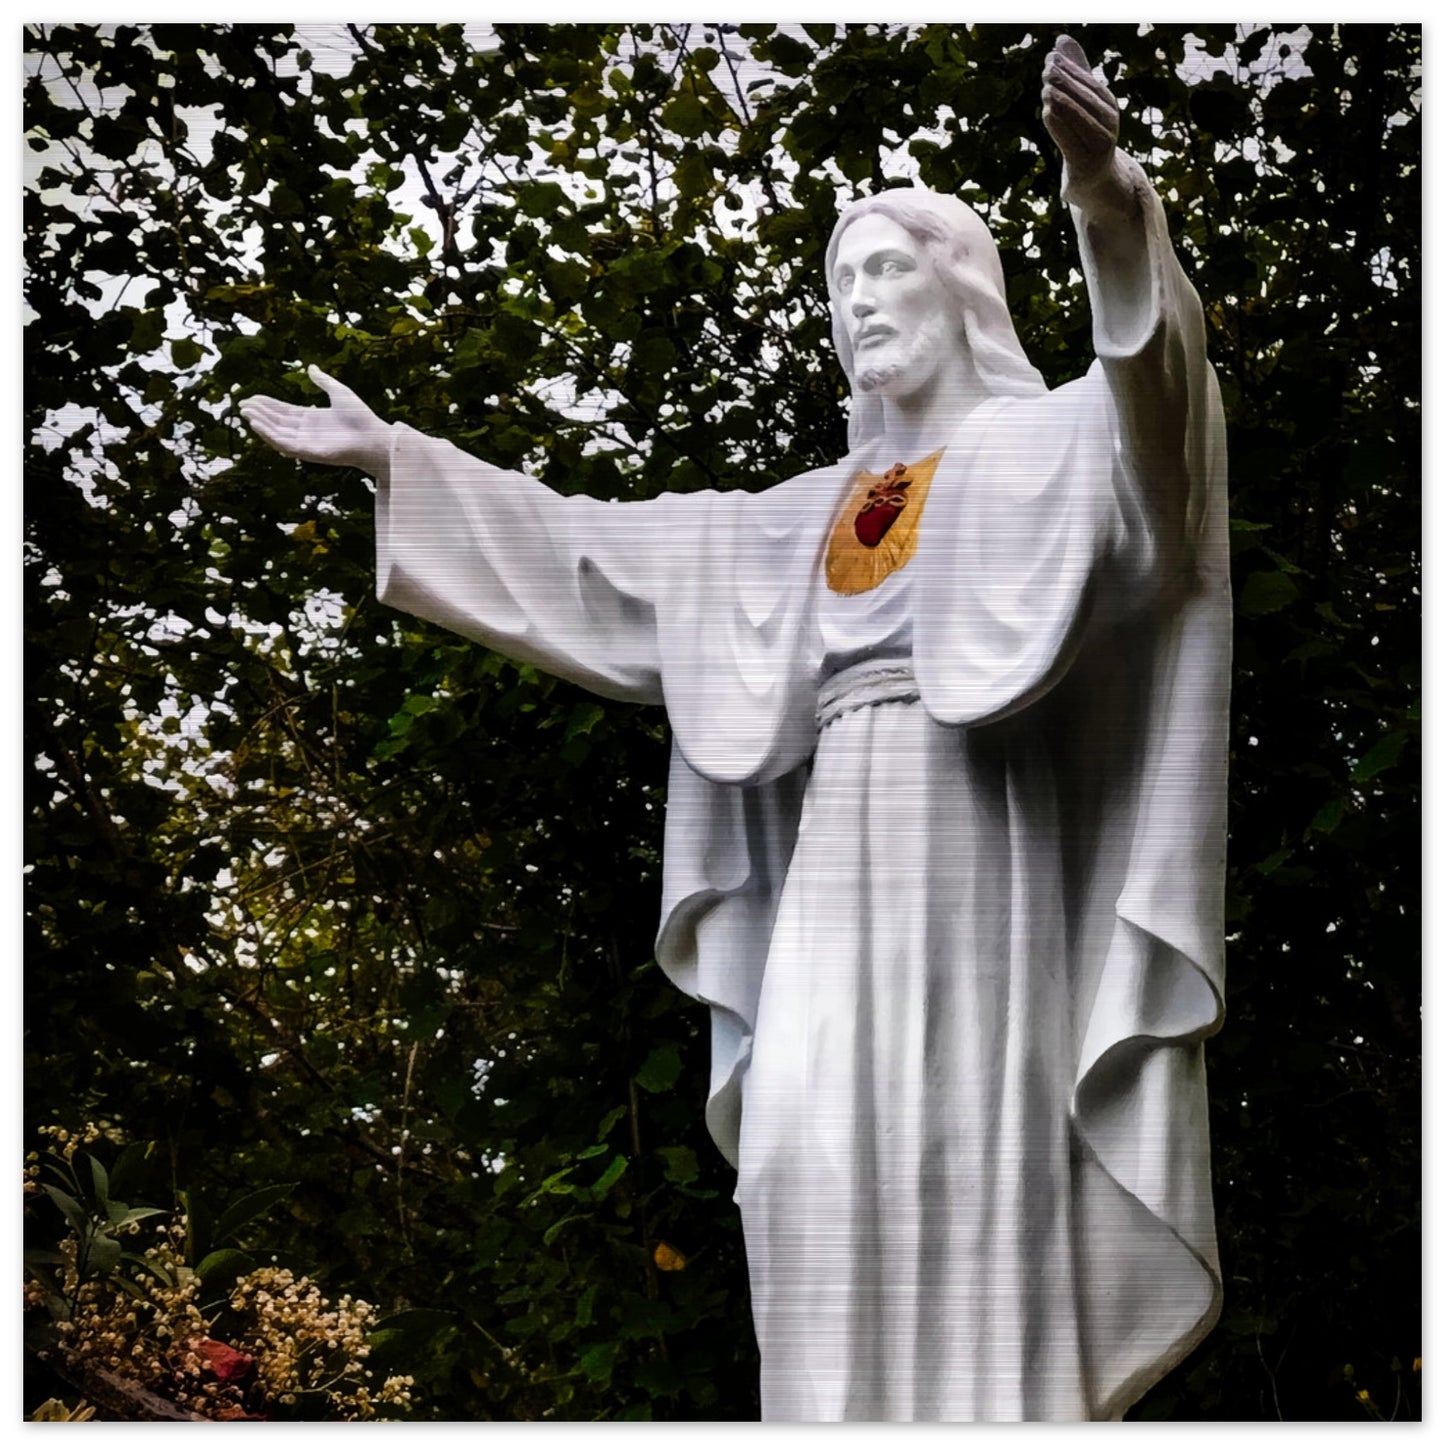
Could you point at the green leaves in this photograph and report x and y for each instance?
(399, 1341)
(686, 116)
(1384, 754)
(598, 1360)
(610, 1176)
(222, 1267)
(94, 1223)
(248, 1210)
(660, 1069)
(682, 1167)
(185, 353)
(71, 1208)
(1266, 592)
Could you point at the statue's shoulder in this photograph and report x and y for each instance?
(790, 494)
(1038, 421)
(818, 487)
(816, 477)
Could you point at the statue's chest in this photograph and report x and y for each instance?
(875, 533)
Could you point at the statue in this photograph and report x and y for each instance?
(945, 829)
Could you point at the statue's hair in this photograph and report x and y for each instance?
(966, 259)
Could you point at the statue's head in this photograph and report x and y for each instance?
(944, 287)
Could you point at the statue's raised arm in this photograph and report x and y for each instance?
(1147, 321)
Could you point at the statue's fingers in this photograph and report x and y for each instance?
(1063, 104)
(1070, 49)
(1091, 100)
(336, 391)
(1061, 70)
(1070, 133)
(270, 412)
(278, 424)
(266, 430)
(279, 435)
(255, 413)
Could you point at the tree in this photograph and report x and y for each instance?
(318, 893)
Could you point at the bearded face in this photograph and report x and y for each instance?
(905, 362)
(896, 309)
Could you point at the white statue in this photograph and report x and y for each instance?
(945, 827)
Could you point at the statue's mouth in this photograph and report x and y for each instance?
(873, 336)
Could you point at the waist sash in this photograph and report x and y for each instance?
(865, 684)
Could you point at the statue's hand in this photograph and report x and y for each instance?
(1080, 113)
(345, 434)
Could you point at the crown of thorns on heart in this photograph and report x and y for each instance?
(889, 492)
(882, 505)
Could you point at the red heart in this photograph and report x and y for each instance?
(870, 526)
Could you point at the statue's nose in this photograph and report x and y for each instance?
(862, 304)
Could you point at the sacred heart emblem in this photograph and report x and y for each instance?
(882, 506)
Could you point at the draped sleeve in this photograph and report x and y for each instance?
(1150, 982)
(701, 601)
(1084, 506)
(569, 584)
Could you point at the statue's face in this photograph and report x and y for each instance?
(894, 305)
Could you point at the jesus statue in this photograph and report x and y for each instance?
(945, 826)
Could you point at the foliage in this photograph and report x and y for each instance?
(316, 893)
(202, 1329)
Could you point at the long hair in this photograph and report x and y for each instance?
(966, 259)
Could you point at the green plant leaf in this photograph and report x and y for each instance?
(1266, 592)
(247, 1210)
(72, 1209)
(660, 1069)
(610, 1176)
(223, 1267)
(1382, 755)
(681, 1163)
(598, 1361)
(118, 1213)
(404, 1337)
(150, 1266)
(102, 1254)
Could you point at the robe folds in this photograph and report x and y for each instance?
(1070, 604)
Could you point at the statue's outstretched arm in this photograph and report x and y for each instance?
(567, 583)
(1147, 321)
(345, 434)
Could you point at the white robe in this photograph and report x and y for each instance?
(957, 1047)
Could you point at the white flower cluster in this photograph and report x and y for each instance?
(67, 1141)
(140, 1331)
(305, 1345)
(147, 1325)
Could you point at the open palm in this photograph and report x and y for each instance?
(345, 434)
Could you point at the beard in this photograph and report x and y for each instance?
(903, 363)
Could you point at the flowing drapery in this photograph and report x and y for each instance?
(1071, 583)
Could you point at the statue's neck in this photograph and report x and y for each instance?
(927, 418)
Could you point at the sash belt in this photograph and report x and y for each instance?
(865, 684)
